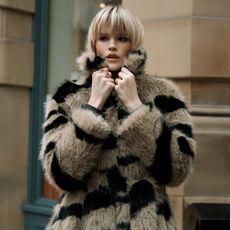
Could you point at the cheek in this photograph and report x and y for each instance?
(127, 49)
(99, 49)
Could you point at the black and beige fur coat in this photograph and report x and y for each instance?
(113, 166)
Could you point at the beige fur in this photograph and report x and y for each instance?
(136, 135)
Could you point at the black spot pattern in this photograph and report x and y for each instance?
(110, 102)
(63, 180)
(50, 146)
(61, 120)
(91, 65)
(140, 195)
(82, 135)
(162, 168)
(71, 210)
(186, 129)
(64, 90)
(164, 210)
(100, 198)
(110, 142)
(168, 104)
(184, 146)
(115, 180)
(51, 113)
(127, 160)
(123, 226)
(121, 114)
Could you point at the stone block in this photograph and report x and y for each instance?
(22, 5)
(210, 48)
(177, 207)
(15, 25)
(149, 10)
(168, 45)
(14, 113)
(211, 176)
(213, 92)
(215, 8)
(16, 62)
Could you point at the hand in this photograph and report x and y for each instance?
(102, 86)
(126, 89)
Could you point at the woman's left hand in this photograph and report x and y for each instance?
(126, 89)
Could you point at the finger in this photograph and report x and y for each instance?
(126, 71)
(121, 75)
(104, 69)
(110, 80)
(109, 75)
(118, 81)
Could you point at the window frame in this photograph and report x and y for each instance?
(37, 209)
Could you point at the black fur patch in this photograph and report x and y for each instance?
(50, 146)
(111, 101)
(100, 198)
(140, 195)
(62, 111)
(64, 90)
(63, 180)
(186, 129)
(51, 113)
(110, 142)
(61, 197)
(123, 226)
(162, 168)
(127, 160)
(82, 135)
(168, 104)
(184, 146)
(122, 114)
(164, 210)
(150, 104)
(115, 180)
(71, 210)
(92, 109)
(61, 120)
(91, 65)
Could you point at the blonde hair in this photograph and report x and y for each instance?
(121, 20)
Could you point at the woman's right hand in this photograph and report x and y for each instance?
(102, 86)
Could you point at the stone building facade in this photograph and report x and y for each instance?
(187, 41)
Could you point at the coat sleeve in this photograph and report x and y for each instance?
(71, 144)
(159, 133)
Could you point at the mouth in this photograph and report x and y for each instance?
(112, 56)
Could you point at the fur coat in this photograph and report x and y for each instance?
(111, 165)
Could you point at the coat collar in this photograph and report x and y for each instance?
(135, 62)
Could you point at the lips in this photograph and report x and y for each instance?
(112, 56)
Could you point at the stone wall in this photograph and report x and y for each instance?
(16, 79)
(188, 41)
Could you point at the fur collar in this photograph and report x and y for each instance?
(135, 62)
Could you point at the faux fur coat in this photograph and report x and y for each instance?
(111, 165)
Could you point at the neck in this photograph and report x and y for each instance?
(115, 74)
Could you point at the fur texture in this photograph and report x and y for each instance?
(113, 166)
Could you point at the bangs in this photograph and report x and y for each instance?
(115, 20)
(121, 21)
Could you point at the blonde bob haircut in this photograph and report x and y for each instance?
(121, 20)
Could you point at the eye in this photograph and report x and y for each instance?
(123, 39)
(103, 38)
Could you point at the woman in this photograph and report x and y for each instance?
(114, 137)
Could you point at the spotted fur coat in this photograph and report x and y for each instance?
(111, 165)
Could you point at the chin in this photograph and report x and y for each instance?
(114, 68)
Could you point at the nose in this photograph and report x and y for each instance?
(112, 45)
